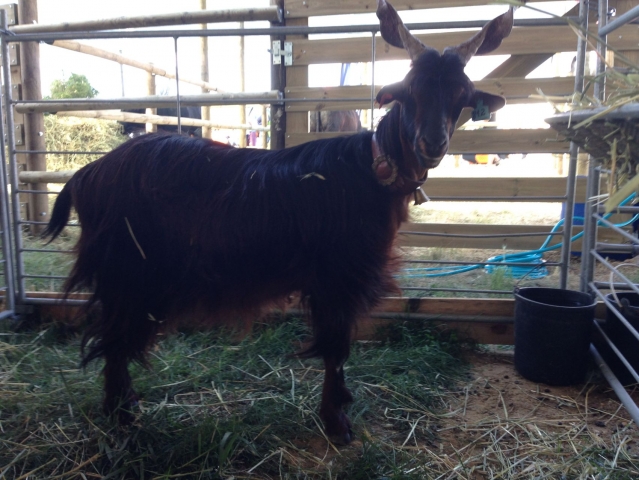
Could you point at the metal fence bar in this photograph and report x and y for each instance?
(488, 235)
(457, 290)
(13, 164)
(616, 385)
(574, 151)
(5, 222)
(620, 21)
(276, 31)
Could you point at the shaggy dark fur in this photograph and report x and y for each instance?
(173, 225)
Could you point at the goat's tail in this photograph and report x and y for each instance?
(61, 213)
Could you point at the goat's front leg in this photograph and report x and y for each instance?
(334, 396)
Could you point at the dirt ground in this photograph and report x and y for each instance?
(499, 406)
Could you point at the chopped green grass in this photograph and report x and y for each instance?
(213, 409)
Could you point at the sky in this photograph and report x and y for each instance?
(105, 76)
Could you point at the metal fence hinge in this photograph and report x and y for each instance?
(278, 53)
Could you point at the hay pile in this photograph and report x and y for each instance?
(79, 135)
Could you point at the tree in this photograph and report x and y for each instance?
(76, 86)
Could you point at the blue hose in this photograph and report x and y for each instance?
(532, 256)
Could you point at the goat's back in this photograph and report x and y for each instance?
(183, 221)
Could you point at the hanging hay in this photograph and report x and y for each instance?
(79, 135)
(613, 142)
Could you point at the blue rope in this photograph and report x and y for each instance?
(532, 256)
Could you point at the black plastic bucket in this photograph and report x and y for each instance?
(553, 329)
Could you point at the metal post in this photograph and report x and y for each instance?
(177, 87)
(574, 151)
(373, 55)
(592, 189)
(5, 222)
(13, 162)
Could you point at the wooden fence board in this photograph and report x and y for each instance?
(508, 187)
(523, 40)
(309, 8)
(516, 91)
(476, 141)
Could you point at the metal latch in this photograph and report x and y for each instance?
(278, 53)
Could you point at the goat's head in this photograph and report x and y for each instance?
(436, 89)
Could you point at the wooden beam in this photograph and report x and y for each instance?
(122, 60)
(310, 8)
(477, 141)
(523, 40)
(522, 65)
(486, 321)
(507, 187)
(33, 122)
(516, 91)
(297, 76)
(157, 119)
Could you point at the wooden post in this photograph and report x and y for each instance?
(38, 209)
(242, 142)
(207, 132)
(278, 82)
(296, 76)
(150, 84)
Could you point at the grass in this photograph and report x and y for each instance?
(213, 408)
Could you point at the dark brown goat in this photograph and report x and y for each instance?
(172, 225)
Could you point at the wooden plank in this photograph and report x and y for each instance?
(507, 187)
(516, 91)
(522, 65)
(297, 76)
(523, 40)
(493, 243)
(476, 141)
(473, 319)
(309, 8)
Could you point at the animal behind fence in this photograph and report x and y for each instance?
(132, 129)
(172, 225)
(335, 121)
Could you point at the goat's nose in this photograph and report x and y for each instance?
(435, 148)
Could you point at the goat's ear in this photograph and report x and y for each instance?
(484, 104)
(395, 32)
(487, 39)
(390, 93)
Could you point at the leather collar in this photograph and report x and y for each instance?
(388, 175)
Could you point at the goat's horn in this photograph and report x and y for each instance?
(395, 32)
(486, 40)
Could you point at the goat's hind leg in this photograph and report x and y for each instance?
(119, 397)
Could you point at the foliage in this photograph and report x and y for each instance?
(76, 86)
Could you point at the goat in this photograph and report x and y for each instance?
(132, 129)
(335, 121)
(172, 224)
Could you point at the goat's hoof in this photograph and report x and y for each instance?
(338, 429)
(122, 411)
